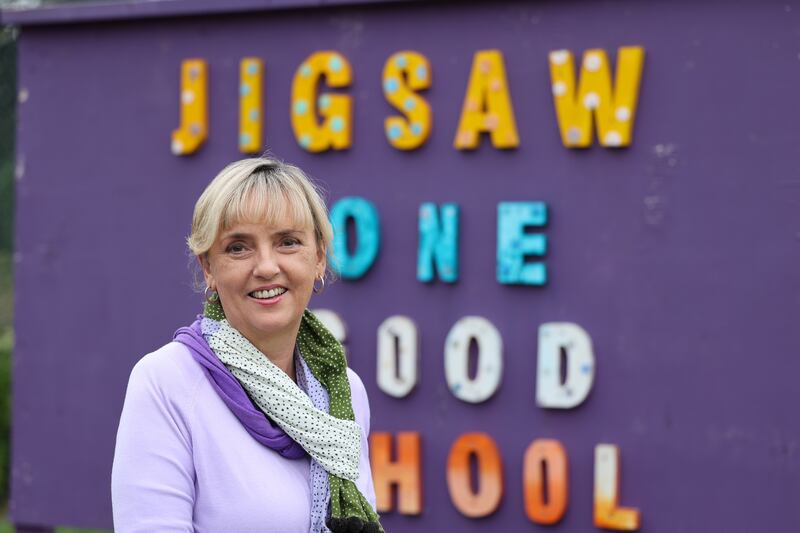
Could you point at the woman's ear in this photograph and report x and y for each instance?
(206, 266)
(322, 261)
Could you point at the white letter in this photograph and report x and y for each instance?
(490, 359)
(577, 345)
(607, 512)
(398, 348)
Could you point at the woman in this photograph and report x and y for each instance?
(250, 419)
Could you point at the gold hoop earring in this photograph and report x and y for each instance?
(318, 290)
(213, 298)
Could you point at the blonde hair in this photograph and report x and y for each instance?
(258, 190)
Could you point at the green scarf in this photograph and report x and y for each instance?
(324, 355)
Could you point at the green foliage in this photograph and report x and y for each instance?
(6, 527)
(6, 347)
(6, 291)
(6, 344)
(8, 99)
(77, 530)
(8, 91)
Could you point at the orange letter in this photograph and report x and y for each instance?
(606, 492)
(194, 111)
(405, 472)
(487, 105)
(490, 475)
(545, 466)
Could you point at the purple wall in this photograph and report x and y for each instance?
(678, 255)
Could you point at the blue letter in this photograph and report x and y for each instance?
(438, 242)
(365, 217)
(513, 244)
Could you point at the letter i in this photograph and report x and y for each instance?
(251, 73)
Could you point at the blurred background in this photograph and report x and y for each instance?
(8, 90)
(8, 101)
(677, 254)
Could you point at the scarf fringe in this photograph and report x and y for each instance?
(353, 524)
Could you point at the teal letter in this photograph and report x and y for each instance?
(438, 241)
(365, 217)
(513, 244)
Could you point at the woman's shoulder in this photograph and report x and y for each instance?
(356, 385)
(170, 368)
(358, 395)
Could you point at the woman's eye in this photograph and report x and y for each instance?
(236, 248)
(290, 242)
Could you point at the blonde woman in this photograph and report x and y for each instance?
(250, 419)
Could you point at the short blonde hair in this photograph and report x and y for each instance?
(258, 190)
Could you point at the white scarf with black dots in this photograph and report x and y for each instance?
(333, 442)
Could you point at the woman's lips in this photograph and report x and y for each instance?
(268, 292)
(267, 301)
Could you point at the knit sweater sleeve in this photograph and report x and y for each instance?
(153, 476)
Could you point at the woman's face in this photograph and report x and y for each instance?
(264, 276)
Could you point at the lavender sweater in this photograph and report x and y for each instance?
(184, 462)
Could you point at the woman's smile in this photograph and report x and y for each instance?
(268, 294)
(268, 297)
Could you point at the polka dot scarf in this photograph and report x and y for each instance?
(332, 439)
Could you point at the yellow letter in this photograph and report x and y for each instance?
(411, 132)
(614, 108)
(336, 108)
(194, 109)
(251, 71)
(607, 514)
(487, 89)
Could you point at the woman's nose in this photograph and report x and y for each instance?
(266, 265)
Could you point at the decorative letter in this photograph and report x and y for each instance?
(333, 322)
(545, 466)
(405, 472)
(606, 492)
(513, 244)
(556, 338)
(398, 349)
(365, 217)
(336, 108)
(194, 108)
(410, 132)
(487, 105)
(614, 108)
(251, 71)
(490, 359)
(438, 241)
(490, 475)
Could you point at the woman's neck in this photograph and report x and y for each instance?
(280, 351)
(277, 346)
